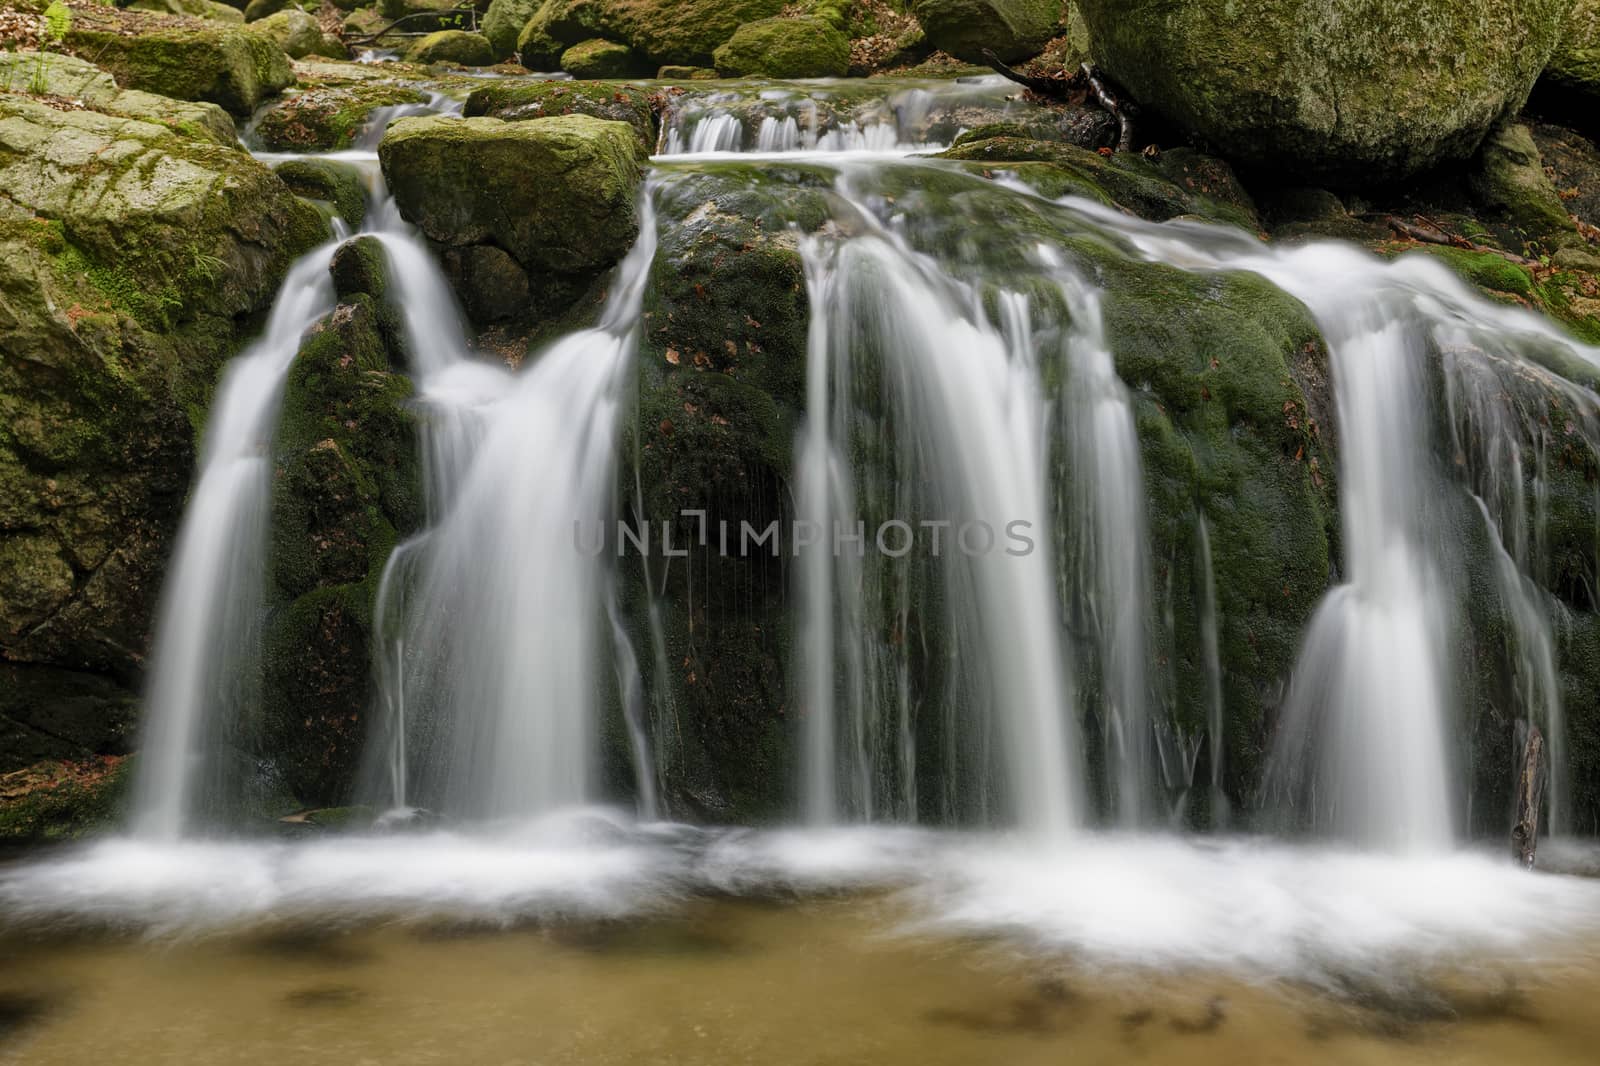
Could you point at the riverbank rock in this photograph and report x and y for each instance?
(503, 23)
(1571, 83)
(1012, 29)
(132, 258)
(186, 59)
(599, 58)
(331, 117)
(1346, 92)
(556, 194)
(805, 47)
(299, 35)
(663, 31)
(452, 46)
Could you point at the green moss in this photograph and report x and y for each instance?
(785, 48)
(599, 58)
(616, 101)
(234, 68)
(452, 46)
(329, 118)
(1012, 29)
(75, 806)
(324, 179)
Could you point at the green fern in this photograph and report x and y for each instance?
(57, 21)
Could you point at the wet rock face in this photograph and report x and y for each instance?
(1012, 29)
(346, 489)
(556, 194)
(132, 256)
(1346, 92)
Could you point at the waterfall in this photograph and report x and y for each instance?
(1210, 650)
(208, 628)
(1107, 506)
(500, 682)
(970, 401)
(1363, 747)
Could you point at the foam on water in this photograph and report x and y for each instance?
(1248, 907)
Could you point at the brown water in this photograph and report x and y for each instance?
(736, 982)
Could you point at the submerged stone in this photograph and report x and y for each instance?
(1346, 92)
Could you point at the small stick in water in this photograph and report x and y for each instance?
(1530, 792)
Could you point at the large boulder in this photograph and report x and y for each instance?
(133, 257)
(299, 35)
(200, 9)
(186, 59)
(1012, 29)
(1345, 92)
(503, 23)
(556, 194)
(663, 31)
(452, 46)
(77, 79)
(804, 47)
(599, 58)
(1571, 83)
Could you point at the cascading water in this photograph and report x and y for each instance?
(1107, 505)
(495, 667)
(970, 399)
(207, 635)
(1364, 742)
(207, 632)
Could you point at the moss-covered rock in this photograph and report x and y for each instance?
(1510, 181)
(256, 10)
(77, 79)
(557, 194)
(346, 488)
(599, 58)
(1571, 83)
(519, 101)
(674, 72)
(1346, 92)
(663, 31)
(503, 23)
(1180, 182)
(200, 9)
(360, 268)
(62, 800)
(536, 49)
(299, 35)
(132, 258)
(329, 118)
(1012, 29)
(339, 184)
(803, 47)
(186, 59)
(452, 46)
